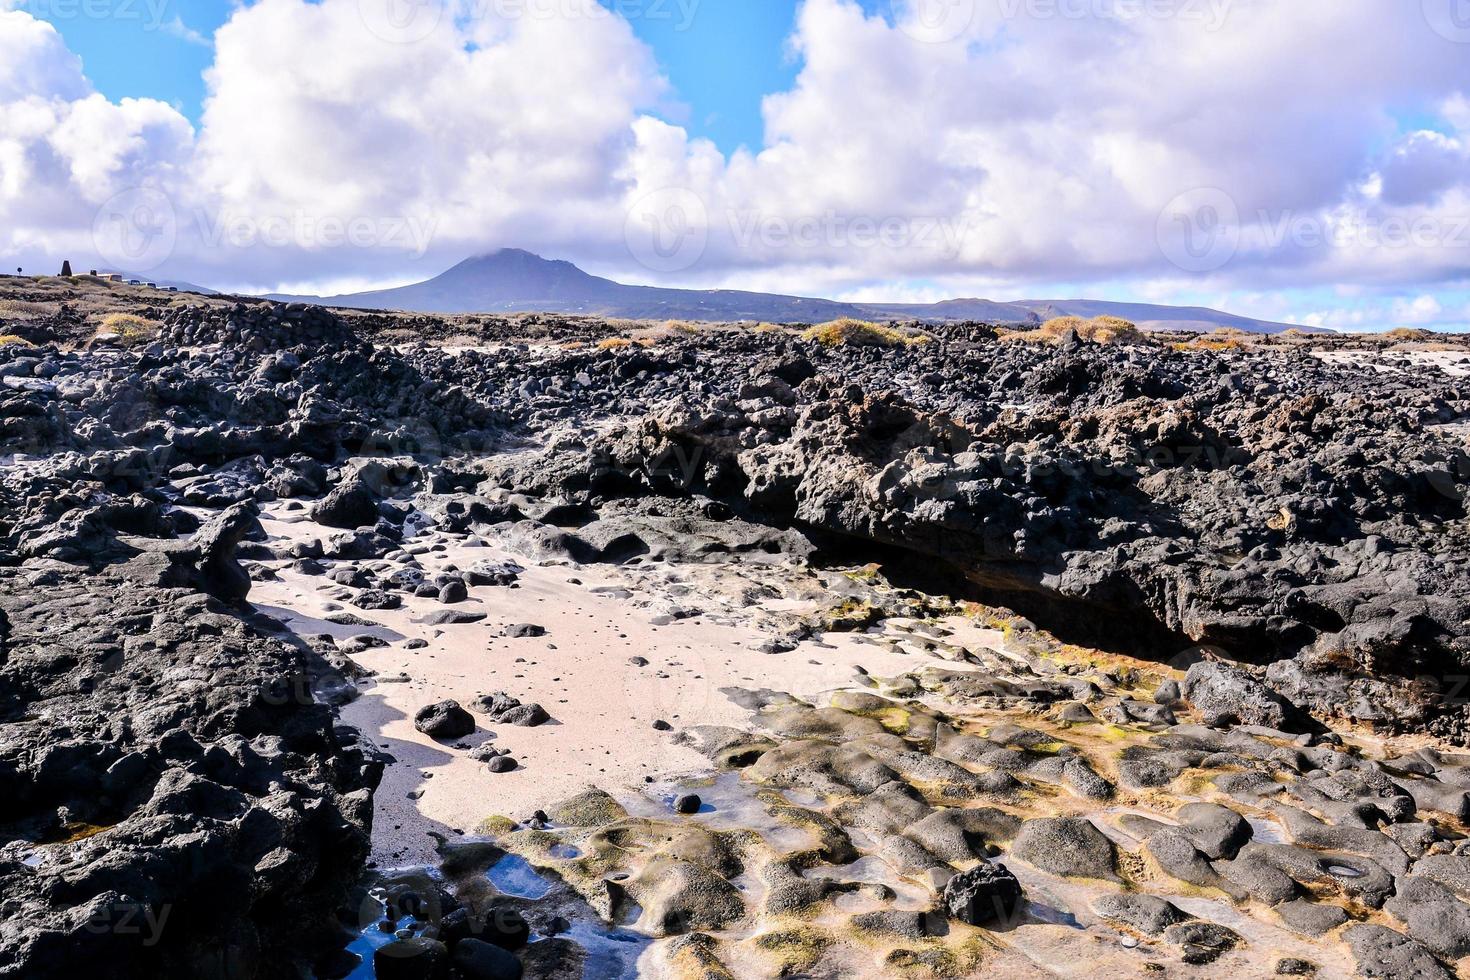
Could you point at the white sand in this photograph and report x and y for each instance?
(603, 707)
(1455, 364)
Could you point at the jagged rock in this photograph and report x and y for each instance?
(351, 504)
(985, 894)
(1228, 695)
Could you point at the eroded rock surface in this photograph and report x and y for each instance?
(1260, 775)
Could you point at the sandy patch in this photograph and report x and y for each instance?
(603, 706)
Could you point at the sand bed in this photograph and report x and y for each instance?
(603, 706)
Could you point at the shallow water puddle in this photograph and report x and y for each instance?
(304, 625)
(1051, 915)
(1265, 831)
(727, 802)
(612, 953)
(875, 871)
(369, 940)
(515, 876)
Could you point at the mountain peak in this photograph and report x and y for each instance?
(509, 256)
(516, 280)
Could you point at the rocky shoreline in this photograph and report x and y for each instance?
(1278, 527)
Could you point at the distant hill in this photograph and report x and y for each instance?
(1152, 317)
(515, 281)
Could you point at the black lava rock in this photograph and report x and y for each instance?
(479, 960)
(984, 894)
(445, 720)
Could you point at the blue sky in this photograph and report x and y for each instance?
(721, 61)
(141, 51)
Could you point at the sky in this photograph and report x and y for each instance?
(1306, 161)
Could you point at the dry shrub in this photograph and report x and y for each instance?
(1059, 325)
(1409, 334)
(22, 307)
(614, 343)
(1115, 330)
(860, 333)
(1098, 330)
(1213, 343)
(10, 338)
(130, 329)
(680, 326)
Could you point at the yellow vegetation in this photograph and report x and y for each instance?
(10, 338)
(860, 333)
(614, 343)
(130, 329)
(1099, 330)
(1409, 333)
(1212, 344)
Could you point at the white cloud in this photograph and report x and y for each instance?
(1022, 148)
(177, 28)
(64, 149)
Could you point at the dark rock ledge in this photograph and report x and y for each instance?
(218, 815)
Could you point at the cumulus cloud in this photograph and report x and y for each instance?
(1223, 144)
(1057, 140)
(65, 150)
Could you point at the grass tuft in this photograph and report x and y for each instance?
(860, 333)
(20, 307)
(129, 328)
(1098, 330)
(1409, 334)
